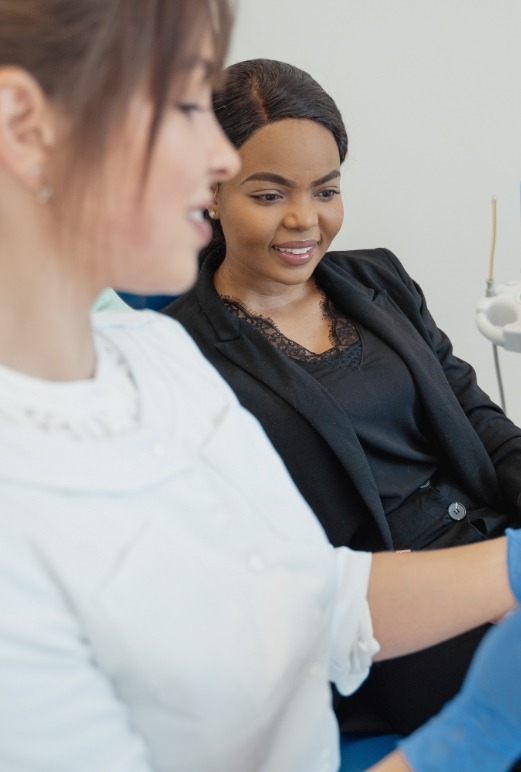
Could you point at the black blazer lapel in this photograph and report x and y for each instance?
(377, 311)
(249, 350)
(312, 401)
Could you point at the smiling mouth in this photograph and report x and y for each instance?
(293, 251)
(296, 255)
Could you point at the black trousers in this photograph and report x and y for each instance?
(401, 694)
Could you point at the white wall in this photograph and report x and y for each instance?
(430, 91)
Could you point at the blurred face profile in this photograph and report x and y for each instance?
(153, 233)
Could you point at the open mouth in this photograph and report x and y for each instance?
(296, 255)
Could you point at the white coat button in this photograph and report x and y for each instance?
(456, 510)
(256, 562)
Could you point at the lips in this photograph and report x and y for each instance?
(296, 252)
(202, 226)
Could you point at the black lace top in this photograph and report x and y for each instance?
(346, 347)
(375, 390)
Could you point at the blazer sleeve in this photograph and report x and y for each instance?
(499, 435)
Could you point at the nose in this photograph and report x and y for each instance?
(224, 159)
(301, 215)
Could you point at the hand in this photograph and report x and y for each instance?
(480, 729)
(514, 560)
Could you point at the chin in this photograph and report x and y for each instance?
(175, 278)
(180, 287)
(183, 281)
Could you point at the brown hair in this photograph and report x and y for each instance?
(91, 56)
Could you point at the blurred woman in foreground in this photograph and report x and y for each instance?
(159, 609)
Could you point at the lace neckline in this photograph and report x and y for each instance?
(346, 346)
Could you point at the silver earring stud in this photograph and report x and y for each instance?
(44, 194)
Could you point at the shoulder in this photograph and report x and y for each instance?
(161, 345)
(184, 306)
(200, 300)
(365, 264)
(145, 328)
(203, 314)
(115, 323)
(369, 271)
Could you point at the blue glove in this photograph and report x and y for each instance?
(514, 560)
(480, 729)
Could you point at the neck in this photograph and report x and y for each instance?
(296, 310)
(39, 342)
(261, 295)
(44, 317)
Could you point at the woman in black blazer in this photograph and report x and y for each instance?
(383, 429)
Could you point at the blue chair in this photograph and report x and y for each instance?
(359, 752)
(139, 302)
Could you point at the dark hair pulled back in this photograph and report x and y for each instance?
(257, 92)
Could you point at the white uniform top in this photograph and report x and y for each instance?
(167, 600)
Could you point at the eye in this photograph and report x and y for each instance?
(267, 198)
(328, 193)
(190, 108)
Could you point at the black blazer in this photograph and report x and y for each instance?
(317, 441)
(311, 431)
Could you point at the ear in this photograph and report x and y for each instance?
(28, 126)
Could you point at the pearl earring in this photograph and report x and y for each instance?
(212, 213)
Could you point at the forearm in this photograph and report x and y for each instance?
(418, 599)
(395, 762)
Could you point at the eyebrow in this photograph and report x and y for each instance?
(279, 180)
(208, 67)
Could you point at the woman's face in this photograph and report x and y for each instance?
(151, 238)
(281, 212)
